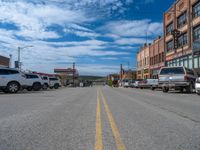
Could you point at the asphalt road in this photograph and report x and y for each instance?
(99, 118)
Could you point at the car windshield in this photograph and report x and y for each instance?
(175, 70)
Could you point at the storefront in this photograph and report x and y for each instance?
(185, 61)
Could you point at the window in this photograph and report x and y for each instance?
(8, 72)
(175, 70)
(182, 40)
(169, 28)
(53, 79)
(196, 33)
(29, 76)
(196, 10)
(169, 46)
(182, 20)
(3, 72)
(189, 71)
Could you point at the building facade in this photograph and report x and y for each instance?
(184, 17)
(128, 74)
(157, 58)
(4, 61)
(143, 62)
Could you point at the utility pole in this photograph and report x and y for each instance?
(73, 73)
(121, 69)
(19, 65)
(10, 62)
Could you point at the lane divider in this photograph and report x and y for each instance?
(98, 139)
(114, 128)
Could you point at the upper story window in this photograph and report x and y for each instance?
(182, 19)
(182, 40)
(196, 33)
(196, 10)
(169, 46)
(169, 28)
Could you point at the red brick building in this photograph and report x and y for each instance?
(157, 59)
(4, 61)
(184, 16)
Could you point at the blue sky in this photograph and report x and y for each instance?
(98, 35)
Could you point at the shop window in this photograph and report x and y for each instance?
(182, 40)
(196, 33)
(169, 28)
(169, 46)
(196, 10)
(196, 62)
(182, 19)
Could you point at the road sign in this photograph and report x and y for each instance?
(196, 47)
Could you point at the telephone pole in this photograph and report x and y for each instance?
(73, 74)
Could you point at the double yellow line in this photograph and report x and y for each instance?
(115, 131)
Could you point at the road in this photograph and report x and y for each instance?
(98, 118)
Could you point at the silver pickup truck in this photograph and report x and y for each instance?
(178, 78)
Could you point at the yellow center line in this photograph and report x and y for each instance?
(115, 131)
(98, 140)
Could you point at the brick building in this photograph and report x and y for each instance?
(156, 57)
(143, 63)
(184, 16)
(4, 61)
(129, 74)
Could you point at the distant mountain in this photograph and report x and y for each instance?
(91, 78)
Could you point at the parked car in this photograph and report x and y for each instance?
(46, 82)
(11, 80)
(178, 78)
(142, 84)
(126, 83)
(148, 83)
(54, 83)
(34, 82)
(197, 85)
(136, 83)
(132, 84)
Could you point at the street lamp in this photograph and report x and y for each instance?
(19, 55)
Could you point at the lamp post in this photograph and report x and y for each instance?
(19, 55)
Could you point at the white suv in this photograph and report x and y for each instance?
(34, 82)
(11, 80)
(54, 82)
(46, 82)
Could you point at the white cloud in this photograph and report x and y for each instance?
(33, 19)
(134, 28)
(130, 41)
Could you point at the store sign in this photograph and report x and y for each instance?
(146, 71)
(196, 48)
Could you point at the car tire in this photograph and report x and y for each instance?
(181, 90)
(165, 89)
(45, 86)
(189, 89)
(37, 86)
(29, 89)
(56, 86)
(153, 88)
(13, 87)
